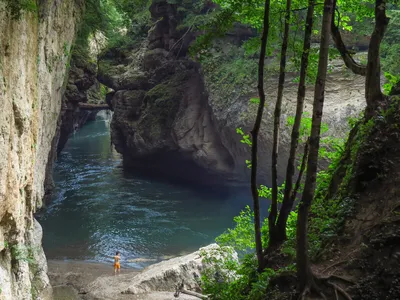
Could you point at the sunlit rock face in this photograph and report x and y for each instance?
(344, 98)
(174, 117)
(33, 64)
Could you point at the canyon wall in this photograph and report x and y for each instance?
(82, 87)
(162, 122)
(34, 59)
(178, 117)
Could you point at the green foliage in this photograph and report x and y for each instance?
(245, 137)
(266, 192)
(391, 45)
(103, 91)
(325, 224)
(328, 214)
(134, 13)
(228, 71)
(255, 100)
(330, 147)
(220, 278)
(241, 237)
(392, 81)
(225, 278)
(23, 253)
(108, 23)
(17, 7)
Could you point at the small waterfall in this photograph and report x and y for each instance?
(106, 115)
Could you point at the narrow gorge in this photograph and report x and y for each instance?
(128, 125)
(170, 111)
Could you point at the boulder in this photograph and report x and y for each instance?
(160, 278)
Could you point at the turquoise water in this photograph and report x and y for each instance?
(98, 208)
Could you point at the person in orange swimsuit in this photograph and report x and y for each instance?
(117, 265)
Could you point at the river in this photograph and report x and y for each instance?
(98, 208)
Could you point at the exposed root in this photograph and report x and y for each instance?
(335, 264)
(337, 277)
(346, 259)
(341, 291)
(336, 294)
(313, 288)
(304, 294)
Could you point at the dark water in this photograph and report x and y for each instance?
(98, 209)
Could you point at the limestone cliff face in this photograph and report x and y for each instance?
(344, 98)
(82, 87)
(175, 115)
(33, 64)
(162, 120)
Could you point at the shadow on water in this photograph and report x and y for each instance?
(98, 208)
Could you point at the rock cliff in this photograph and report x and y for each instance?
(82, 87)
(34, 58)
(232, 109)
(160, 280)
(177, 117)
(162, 120)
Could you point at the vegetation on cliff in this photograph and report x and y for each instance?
(314, 219)
(329, 197)
(298, 44)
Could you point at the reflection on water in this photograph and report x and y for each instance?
(98, 209)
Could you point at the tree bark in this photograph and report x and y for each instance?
(350, 63)
(254, 133)
(373, 93)
(302, 169)
(288, 200)
(273, 237)
(304, 273)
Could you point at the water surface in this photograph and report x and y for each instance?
(98, 208)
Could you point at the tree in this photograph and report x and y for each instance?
(275, 238)
(255, 132)
(373, 92)
(290, 194)
(304, 273)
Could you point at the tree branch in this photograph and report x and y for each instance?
(347, 58)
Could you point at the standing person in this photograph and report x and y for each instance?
(117, 265)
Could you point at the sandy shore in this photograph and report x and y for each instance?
(85, 271)
(70, 278)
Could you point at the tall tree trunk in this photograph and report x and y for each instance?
(373, 93)
(304, 272)
(350, 63)
(274, 239)
(288, 200)
(254, 133)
